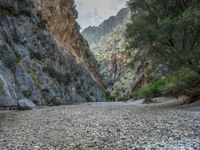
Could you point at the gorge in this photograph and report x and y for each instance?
(129, 83)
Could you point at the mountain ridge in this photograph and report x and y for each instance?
(94, 34)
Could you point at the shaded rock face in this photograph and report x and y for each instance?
(43, 57)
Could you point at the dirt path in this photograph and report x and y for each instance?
(101, 126)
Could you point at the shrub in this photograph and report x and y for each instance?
(3, 48)
(35, 78)
(9, 62)
(16, 38)
(18, 56)
(27, 93)
(35, 55)
(26, 13)
(169, 85)
(59, 76)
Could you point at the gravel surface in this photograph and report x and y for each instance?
(100, 127)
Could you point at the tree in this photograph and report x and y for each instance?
(169, 28)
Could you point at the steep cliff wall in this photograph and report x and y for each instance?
(60, 16)
(43, 56)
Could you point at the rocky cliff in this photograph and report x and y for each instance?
(43, 56)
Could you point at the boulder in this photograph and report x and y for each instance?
(25, 104)
(183, 99)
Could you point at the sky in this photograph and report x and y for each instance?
(94, 12)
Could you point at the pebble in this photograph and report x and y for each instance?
(93, 127)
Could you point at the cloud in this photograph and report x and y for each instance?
(92, 12)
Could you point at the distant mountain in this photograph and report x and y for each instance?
(94, 34)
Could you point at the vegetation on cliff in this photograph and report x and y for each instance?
(169, 30)
(43, 56)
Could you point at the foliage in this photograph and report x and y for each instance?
(3, 48)
(10, 60)
(169, 29)
(35, 55)
(16, 38)
(167, 86)
(26, 13)
(35, 78)
(18, 56)
(42, 24)
(27, 93)
(59, 76)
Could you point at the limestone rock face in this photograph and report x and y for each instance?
(60, 17)
(43, 57)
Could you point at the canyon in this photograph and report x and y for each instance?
(111, 96)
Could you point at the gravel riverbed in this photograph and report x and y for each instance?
(100, 127)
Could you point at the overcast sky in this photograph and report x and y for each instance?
(93, 12)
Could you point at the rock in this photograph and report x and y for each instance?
(43, 56)
(183, 99)
(25, 104)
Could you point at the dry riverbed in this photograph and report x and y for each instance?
(100, 126)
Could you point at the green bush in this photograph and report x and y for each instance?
(26, 13)
(16, 38)
(35, 55)
(42, 24)
(166, 86)
(18, 56)
(59, 76)
(3, 48)
(9, 62)
(27, 93)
